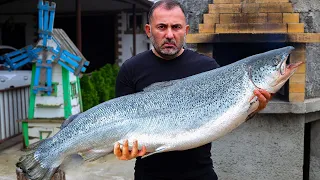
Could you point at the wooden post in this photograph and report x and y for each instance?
(78, 17)
(134, 33)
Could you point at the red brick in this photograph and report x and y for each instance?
(258, 28)
(224, 8)
(232, 28)
(211, 18)
(297, 78)
(276, 28)
(243, 18)
(295, 27)
(250, 8)
(275, 7)
(286, 7)
(227, 18)
(206, 28)
(301, 69)
(297, 56)
(271, 1)
(275, 18)
(290, 17)
(296, 97)
(297, 87)
(227, 1)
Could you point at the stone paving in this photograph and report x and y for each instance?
(107, 168)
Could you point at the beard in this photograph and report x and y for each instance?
(167, 52)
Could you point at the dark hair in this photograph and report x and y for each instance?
(167, 4)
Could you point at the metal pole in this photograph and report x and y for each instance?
(134, 33)
(78, 17)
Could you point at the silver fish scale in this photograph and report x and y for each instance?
(184, 106)
(176, 114)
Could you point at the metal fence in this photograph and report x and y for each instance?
(14, 104)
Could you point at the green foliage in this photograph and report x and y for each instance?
(99, 86)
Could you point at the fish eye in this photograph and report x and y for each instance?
(283, 68)
(276, 61)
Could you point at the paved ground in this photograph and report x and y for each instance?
(107, 168)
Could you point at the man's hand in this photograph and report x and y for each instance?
(263, 97)
(125, 153)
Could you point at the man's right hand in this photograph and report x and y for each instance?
(125, 153)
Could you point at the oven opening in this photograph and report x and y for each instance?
(227, 53)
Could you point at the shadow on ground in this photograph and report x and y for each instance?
(104, 168)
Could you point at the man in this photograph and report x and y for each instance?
(168, 60)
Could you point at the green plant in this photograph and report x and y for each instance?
(88, 92)
(101, 83)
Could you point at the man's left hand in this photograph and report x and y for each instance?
(263, 97)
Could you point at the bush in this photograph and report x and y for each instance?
(88, 92)
(99, 86)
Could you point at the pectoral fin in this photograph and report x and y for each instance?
(253, 106)
(158, 150)
(94, 154)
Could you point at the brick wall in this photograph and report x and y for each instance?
(258, 16)
(251, 16)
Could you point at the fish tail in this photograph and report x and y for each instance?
(31, 166)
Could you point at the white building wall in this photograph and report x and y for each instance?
(54, 112)
(75, 102)
(126, 42)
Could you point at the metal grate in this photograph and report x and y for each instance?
(14, 104)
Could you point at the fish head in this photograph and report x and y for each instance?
(270, 70)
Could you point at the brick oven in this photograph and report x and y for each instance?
(268, 24)
(276, 143)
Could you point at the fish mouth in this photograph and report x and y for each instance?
(283, 73)
(294, 66)
(288, 72)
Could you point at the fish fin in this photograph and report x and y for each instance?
(68, 121)
(158, 150)
(253, 106)
(160, 85)
(31, 167)
(72, 161)
(95, 154)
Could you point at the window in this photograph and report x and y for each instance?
(74, 92)
(54, 90)
(139, 27)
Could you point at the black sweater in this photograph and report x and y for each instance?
(141, 71)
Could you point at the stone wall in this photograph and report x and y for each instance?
(315, 151)
(270, 146)
(310, 15)
(266, 147)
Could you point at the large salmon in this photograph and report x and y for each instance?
(166, 116)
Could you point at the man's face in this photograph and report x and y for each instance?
(167, 31)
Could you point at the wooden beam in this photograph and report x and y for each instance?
(79, 26)
(144, 3)
(251, 38)
(134, 33)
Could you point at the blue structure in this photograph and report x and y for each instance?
(46, 52)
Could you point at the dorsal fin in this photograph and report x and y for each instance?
(161, 85)
(68, 121)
